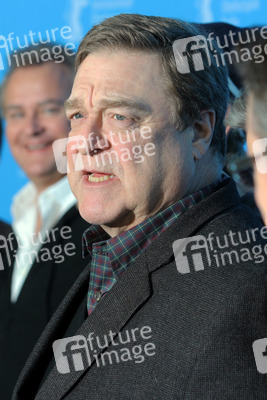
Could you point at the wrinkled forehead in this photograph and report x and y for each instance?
(131, 74)
(123, 64)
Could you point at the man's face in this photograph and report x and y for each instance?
(34, 111)
(113, 94)
(254, 133)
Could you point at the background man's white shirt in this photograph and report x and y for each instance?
(53, 203)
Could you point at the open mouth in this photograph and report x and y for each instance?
(99, 177)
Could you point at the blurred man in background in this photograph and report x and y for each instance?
(237, 154)
(46, 245)
(255, 80)
(236, 113)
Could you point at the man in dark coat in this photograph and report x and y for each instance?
(177, 281)
(43, 252)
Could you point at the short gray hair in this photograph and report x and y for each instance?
(236, 119)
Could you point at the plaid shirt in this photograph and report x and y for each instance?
(112, 256)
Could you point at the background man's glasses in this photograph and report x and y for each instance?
(242, 168)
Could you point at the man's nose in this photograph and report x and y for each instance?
(92, 139)
(33, 125)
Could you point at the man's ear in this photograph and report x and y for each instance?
(203, 133)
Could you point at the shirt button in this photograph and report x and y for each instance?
(97, 296)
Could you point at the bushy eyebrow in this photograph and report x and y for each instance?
(71, 104)
(125, 103)
(143, 107)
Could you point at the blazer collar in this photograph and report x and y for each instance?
(189, 223)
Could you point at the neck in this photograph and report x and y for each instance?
(206, 173)
(38, 226)
(42, 184)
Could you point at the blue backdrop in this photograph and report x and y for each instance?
(21, 17)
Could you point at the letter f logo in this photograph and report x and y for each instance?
(191, 254)
(4, 246)
(4, 45)
(260, 154)
(71, 354)
(193, 49)
(260, 353)
(74, 144)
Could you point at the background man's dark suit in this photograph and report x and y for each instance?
(5, 230)
(45, 287)
(203, 323)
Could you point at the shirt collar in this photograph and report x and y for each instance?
(126, 246)
(55, 200)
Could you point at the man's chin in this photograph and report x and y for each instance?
(110, 220)
(94, 216)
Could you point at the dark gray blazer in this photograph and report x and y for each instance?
(202, 324)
